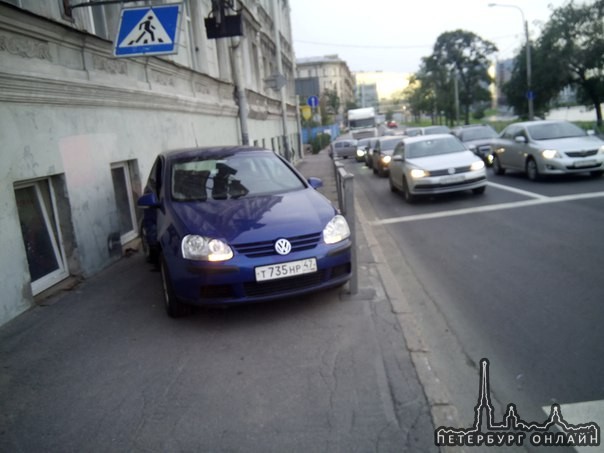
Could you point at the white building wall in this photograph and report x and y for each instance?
(69, 110)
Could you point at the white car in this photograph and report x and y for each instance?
(435, 164)
(543, 147)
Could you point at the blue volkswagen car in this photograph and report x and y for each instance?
(230, 225)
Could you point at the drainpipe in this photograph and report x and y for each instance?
(277, 28)
(240, 95)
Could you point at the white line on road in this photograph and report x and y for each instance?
(495, 207)
(518, 191)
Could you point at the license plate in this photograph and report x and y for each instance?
(284, 270)
(585, 163)
(452, 179)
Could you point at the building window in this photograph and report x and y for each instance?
(124, 200)
(36, 206)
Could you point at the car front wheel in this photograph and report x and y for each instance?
(531, 170)
(174, 307)
(497, 168)
(409, 197)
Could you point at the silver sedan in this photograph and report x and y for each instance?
(435, 164)
(544, 147)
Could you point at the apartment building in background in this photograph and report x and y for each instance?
(316, 74)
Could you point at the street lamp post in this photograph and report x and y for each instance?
(529, 92)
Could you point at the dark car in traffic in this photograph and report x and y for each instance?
(382, 153)
(480, 139)
(235, 224)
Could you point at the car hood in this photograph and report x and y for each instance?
(255, 218)
(571, 143)
(459, 159)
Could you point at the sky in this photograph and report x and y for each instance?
(393, 35)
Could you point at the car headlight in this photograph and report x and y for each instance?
(478, 165)
(417, 173)
(601, 149)
(386, 159)
(360, 152)
(200, 248)
(336, 230)
(550, 154)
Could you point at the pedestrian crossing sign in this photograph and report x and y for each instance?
(148, 30)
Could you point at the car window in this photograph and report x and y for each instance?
(477, 133)
(390, 144)
(550, 131)
(198, 179)
(400, 149)
(425, 148)
(510, 132)
(436, 130)
(154, 180)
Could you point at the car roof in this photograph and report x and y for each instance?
(216, 152)
(421, 138)
(531, 123)
(385, 138)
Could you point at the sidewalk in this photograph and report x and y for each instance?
(101, 368)
(377, 283)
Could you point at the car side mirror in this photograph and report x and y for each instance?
(520, 139)
(398, 158)
(148, 200)
(315, 183)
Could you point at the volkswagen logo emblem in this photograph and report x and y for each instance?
(451, 171)
(283, 246)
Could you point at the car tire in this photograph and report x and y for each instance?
(479, 190)
(174, 307)
(532, 171)
(497, 168)
(409, 197)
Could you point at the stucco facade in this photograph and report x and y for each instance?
(80, 129)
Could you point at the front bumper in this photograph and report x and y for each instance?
(438, 184)
(234, 281)
(570, 165)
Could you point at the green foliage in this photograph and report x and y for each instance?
(570, 51)
(319, 142)
(459, 63)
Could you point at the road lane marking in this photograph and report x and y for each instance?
(580, 413)
(495, 207)
(518, 191)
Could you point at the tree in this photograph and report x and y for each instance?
(569, 52)
(574, 37)
(460, 57)
(332, 101)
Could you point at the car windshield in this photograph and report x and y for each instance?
(387, 145)
(478, 133)
(551, 131)
(236, 176)
(425, 148)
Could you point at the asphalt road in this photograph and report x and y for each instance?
(515, 276)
